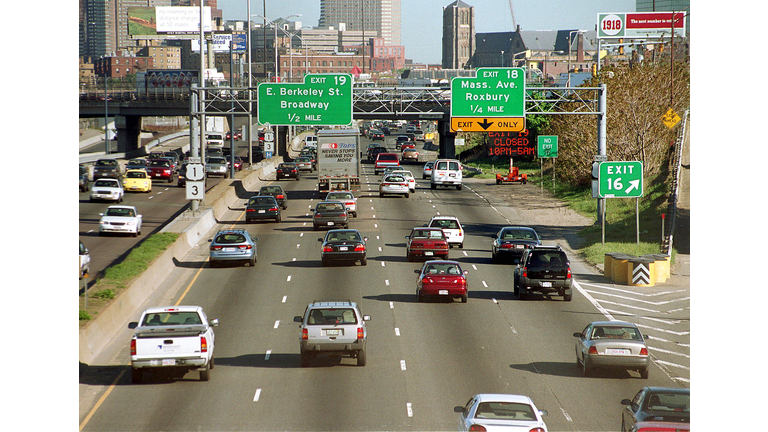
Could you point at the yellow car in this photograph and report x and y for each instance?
(137, 180)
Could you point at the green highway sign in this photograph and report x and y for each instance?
(620, 179)
(321, 100)
(494, 92)
(546, 146)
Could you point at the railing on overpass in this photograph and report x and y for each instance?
(377, 102)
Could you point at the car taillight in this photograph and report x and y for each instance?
(327, 249)
(568, 274)
(167, 171)
(349, 204)
(215, 248)
(644, 351)
(360, 333)
(274, 209)
(250, 210)
(360, 248)
(304, 334)
(343, 214)
(246, 247)
(442, 246)
(203, 344)
(318, 215)
(506, 246)
(537, 429)
(280, 196)
(476, 427)
(133, 347)
(592, 350)
(525, 271)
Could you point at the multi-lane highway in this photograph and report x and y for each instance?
(423, 358)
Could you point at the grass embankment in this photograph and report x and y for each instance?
(620, 217)
(117, 277)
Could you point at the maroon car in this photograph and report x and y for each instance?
(426, 243)
(160, 169)
(441, 279)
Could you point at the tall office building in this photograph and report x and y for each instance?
(458, 34)
(377, 18)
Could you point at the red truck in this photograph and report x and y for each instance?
(385, 160)
(160, 169)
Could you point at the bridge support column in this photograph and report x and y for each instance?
(281, 141)
(447, 140)
(128, 132)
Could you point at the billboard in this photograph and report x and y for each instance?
(640, 25)
(221, 43)
(155, 79)
(144, 21)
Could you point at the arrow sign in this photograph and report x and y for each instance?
(484, 124)
(633, 184)
(620, 179)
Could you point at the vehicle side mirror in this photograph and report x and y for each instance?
(458, 409)
(214, 322)
(408, 237)
(210, 240)
(297, 319)
(578, 335)
(466, 272)
(365, 239)
(366, 317)
(543, 412)
(133, 324)
(101, 214)
(320, 240)
(626, 402)
(417, 271)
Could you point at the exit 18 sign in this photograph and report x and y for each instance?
(620, 179)
(321, 100)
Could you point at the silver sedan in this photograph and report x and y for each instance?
(394, 184)
(612, 345)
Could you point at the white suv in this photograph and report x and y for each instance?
(452, 228)
(334, 328)
(446, 172)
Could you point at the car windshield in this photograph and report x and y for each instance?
(505, 410)
(615, 332)
(286, 166)
(427, 234)
(136, 174)
(217, 160)
(442, 269)
(159, 163)
(343, 236)
(120, 212)
(340, 195)
(137, 162)
(548, 259)
(395, 178)
(106, 183)
(262, 200)
(403, 173)
(518, 235)
(445, 224)
(330, 207)
(669, 402)
(270, 190)
(171, 318)
(387, 157)
(107, 162)
(332, 316)
(230, 238)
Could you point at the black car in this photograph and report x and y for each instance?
(108, 168)
(287, 170)
(658, 404)
(376, 134)
(512, 241)
(544, 269)
(277, 192)
(400, 140)
(343, 245)
(262, 207)
(330, 214)
(374, 151)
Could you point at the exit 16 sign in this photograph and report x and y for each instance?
(620, 179)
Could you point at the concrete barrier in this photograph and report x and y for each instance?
(95, 334)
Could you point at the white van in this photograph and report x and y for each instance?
(310, 141)
(214, 139)
(446, 172)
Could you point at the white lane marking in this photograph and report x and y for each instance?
(474, 267)
(386, 282)
(266, 356)
(375, 225)
(377, 237)
(668, 352)
(293, 259)
(284, 299)
(485, 285)
(301, 235)
(379, 248)
(565, 414)
(298, 245)
(257, 395)
(90, 231)
(593, 301)
(465, 253)
(382, 264)
(391, 305)
(277, 324)
(402, 364)
(289, 278)
(409, 409)
(397, 331)
(671, 364)
(513, 329)
(151, 196)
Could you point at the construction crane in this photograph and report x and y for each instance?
(512, 12)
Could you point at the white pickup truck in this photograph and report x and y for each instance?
(178, 338)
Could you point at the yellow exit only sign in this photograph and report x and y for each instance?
(492, 124)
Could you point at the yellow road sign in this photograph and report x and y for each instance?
(487, 124)
(670, 119)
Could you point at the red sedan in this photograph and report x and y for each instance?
(442, 279)
(426, 242)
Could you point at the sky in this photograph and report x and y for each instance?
(424, 17)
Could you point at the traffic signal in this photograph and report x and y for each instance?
(621, 47)
(594, 70)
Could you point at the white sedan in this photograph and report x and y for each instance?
(120, 219)
(500, 412)
(107, 189)
(408, 176)
(349, 200)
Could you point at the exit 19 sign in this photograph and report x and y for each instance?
(620, 179)
(321, 100)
